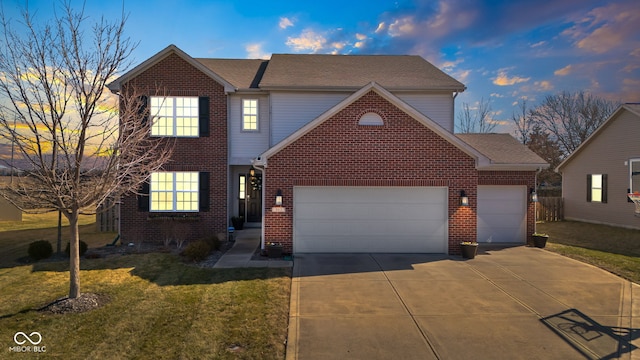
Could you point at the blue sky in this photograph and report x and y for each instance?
(503, 51)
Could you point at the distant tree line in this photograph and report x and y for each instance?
(553, 129)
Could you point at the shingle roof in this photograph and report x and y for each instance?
(354, 71)
(242, 73)
(502, 149)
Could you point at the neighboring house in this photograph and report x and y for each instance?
(327, 154)
(599, 174)
(9, 212)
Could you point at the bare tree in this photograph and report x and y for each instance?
(572, 117)
(541, 143)
(74, 151)
(523, 122)
(476, 120)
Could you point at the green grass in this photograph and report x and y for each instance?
(42, 221)
(614, 249)
(15, 236)
(160, 309)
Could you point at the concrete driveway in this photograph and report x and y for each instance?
(512, 303)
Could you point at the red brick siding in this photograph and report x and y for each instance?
(179, 78)
(402, 152)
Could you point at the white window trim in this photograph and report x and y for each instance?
(174, 193)
(174, 121)
(257, 115)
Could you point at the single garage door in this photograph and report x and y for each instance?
(370, 219)
(502, 214)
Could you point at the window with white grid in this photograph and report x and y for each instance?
(174, 116)
(250, 114)
(174, 191)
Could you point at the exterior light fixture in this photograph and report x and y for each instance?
(533, 196)
(279, 198)
(252, 171)
(464, 199)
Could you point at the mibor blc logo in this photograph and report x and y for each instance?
(27, 343)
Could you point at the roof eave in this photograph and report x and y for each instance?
(356, 88)
(513, 167)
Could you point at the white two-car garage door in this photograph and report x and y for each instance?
(502, 214)
(370, 219)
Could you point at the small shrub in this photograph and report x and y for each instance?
(214, 242)
(40, 249)
(197, 251)
(83, 248)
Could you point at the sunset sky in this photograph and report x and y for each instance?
(501, 50)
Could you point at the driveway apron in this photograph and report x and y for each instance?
(515, 303)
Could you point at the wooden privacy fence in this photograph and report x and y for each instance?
(108, 216)
(550, 209)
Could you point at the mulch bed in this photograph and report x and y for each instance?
(83, 303)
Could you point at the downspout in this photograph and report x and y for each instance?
(261, 167)
(535, 204)
(453, 110)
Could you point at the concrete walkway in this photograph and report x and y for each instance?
(513, 303)
(246, 243)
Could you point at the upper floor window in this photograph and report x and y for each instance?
(174, 191)
(250, 114)
(174, 116)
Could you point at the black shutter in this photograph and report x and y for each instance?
(588, 187)
(142, 109)
(143, 197)
(203, 191)
(203, 115)
(604, 188)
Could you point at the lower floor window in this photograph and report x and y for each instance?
(174, 191)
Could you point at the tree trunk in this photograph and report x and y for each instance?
(74, 256)
(59, 244)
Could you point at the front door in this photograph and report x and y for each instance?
(253, 199)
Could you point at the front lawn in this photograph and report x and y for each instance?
(159, 308)
(611, 248)
(15, 236)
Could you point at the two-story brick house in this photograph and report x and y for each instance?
(327, 154)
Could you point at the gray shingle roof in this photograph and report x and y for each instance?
(502, 149)
(354, 71)
(242, 73)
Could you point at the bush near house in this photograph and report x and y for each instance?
(197, 251)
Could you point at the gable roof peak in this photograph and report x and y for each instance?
(116, 85)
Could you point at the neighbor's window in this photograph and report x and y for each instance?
(250, 114)
(597, 188)
(634, 175)
(174, 191)
(174, 116)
